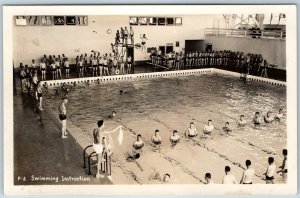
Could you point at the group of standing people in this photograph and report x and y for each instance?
(123, 35)
(103, 65)
(238, 61)
(30, 83)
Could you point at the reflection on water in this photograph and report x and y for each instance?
(173, 102)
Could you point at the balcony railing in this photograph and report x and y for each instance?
(266, 34)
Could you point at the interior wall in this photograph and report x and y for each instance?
(32, 42)
(273, 50)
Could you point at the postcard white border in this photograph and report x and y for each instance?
(291, 51)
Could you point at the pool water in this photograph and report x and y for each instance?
(172, 103)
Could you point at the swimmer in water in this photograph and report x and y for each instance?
(133, 157)
(268, 118)
(257, 119)
(156, 139)
(279, 115)
(138, 144)
(159, 177)
(208, 129)
(241, 122)
(226, 130)
(175, 138)
(113, 114)
(191, 131)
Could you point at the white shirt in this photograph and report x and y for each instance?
(271, 170)
(229, 179)
(248, 175)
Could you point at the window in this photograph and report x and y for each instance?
(170, 21)
(152, 21)
(178, 21)
(143, 20)
(21, 20)
(161, 21)
(133, 20)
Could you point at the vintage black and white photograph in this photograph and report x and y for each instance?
(148, 96)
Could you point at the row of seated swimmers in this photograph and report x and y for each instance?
(239, 61)
(191, 132)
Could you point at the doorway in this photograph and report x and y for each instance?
(169, 49)
(194, 45)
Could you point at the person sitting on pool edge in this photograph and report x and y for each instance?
(175, 138)
(208, 129)
(228, 178)
(138, 144)
(191, 131)
(156, 139)
(226, 130)
(248, 174)
(268, 118)
(241, 122)
(279, 116)
(257, 119)
(208, 179)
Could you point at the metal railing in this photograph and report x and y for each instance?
(266, 34)
(105, 165)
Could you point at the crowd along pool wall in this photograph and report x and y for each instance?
(103, 79)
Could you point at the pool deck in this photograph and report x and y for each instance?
(40, 151)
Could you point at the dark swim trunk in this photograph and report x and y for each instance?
(247, 183)
(62, 117)
(285, 171)
(40, 95)
(138, 147)
(191, 136)
(143, 43)
(157, 143)
(269, 178)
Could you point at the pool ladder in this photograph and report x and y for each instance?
(105, 165)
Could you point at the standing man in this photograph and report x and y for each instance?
(270, 171)
(63, 117)
(248, 174)
(131, 32)
(283, 167)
